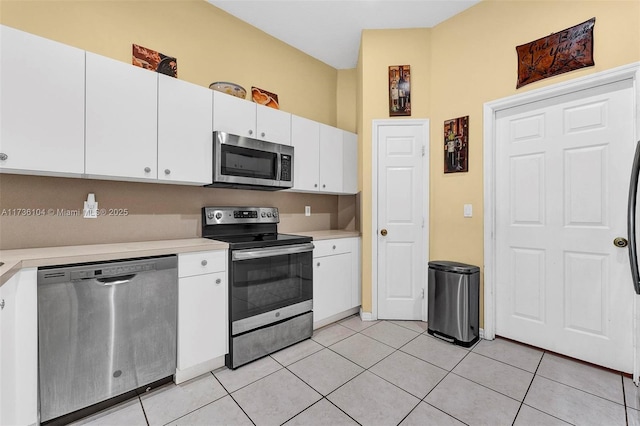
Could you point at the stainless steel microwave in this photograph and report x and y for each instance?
(246, 163)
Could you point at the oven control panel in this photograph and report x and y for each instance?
(230, 215)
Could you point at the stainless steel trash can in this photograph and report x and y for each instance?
(453, 301)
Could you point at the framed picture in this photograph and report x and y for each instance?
(262, 97)
(456, 145)
(154, 61)
(399, 90)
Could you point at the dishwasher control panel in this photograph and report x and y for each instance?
(111, 271)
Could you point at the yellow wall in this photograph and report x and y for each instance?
(210, 45)
(472, 60)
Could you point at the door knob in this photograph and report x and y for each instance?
(620, 242)
(383, 232)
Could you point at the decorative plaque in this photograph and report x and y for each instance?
(561, 52)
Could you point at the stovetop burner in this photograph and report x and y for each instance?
(246, 227)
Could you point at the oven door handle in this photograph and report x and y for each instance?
(271, 251)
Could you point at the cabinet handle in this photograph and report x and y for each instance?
(204, 262)
(1, 303)
(334, 247)
(3, 156)
(167, 171)
(250, 132)
(218, 281)
(147, 169)
(315, 185)
(324, 186)
(318, 264)
(262, 134)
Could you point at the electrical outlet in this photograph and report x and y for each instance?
(307, 210)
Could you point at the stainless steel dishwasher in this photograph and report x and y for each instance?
(104, 329)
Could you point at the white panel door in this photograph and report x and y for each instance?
(185, 132)
(305, 138)
(234, 115)
(562, 176)
(330, 159)
(41, 105)
(273, 125)
(401, 246)
(350, 163)
(121, 120)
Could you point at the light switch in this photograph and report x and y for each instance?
(307, 210)
(468, 210)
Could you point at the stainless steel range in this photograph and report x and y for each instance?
(270, 281)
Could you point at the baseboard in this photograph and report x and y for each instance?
(335, 318)
(482, 333)
(366, 316)
(198, 370)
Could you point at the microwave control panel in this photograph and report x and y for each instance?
(285, 164)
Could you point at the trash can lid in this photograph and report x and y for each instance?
(449, 266)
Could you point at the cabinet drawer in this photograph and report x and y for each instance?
(202, 262)
(329, 247)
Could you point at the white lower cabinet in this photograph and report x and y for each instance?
(202, 313)
(19, 349)
(336, 280)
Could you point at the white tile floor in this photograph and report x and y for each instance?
(391, 373)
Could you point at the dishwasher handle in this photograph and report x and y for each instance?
(122, 279)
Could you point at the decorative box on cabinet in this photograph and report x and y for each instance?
(121, 120)
(19, 349)
(42, 98)
(336, 280)
(244, 118)
(185, 140)
(202, 313)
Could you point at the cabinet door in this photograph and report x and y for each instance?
(305, 138)
(42, 98)
(234, 115)
(121, 120)
(331, 285)
(350, 163)
(202, 319)
(273, 125)
(185, 131)
(19, 350)
(330, 159)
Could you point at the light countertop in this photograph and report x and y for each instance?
(14, 260)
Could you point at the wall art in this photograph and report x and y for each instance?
(456, 145)
(155, 61)
(399, 90)
(561, 52)
(262, 97)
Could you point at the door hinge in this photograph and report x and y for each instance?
(423, 293)
(423, 222)
(423, 150)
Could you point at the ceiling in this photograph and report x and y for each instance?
(329, 30)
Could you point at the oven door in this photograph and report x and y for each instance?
(269, 284)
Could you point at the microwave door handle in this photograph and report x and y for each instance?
(278, 166)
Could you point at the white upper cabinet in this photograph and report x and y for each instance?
(305, 138)
(121, 120)
(234, 115)
(245, 118)
(350, 163)
(330, 159)
(273, 125)
(185, 132)
(41, 105)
